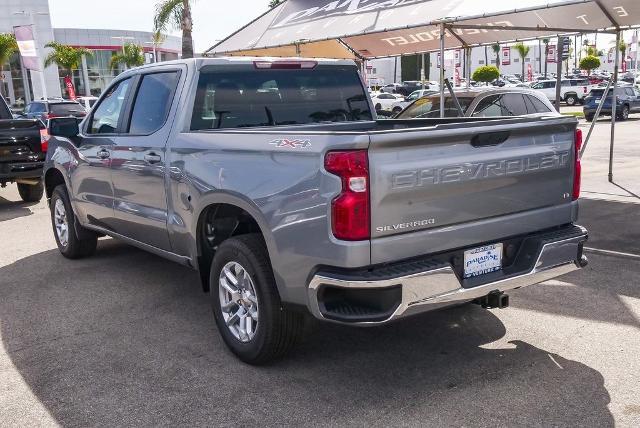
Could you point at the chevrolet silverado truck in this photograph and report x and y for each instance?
(274, 179)
(23, 145)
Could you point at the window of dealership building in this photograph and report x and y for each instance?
(93, 75)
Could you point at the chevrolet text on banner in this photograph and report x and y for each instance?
(27, 46)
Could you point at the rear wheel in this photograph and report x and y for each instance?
(571, 99)
(378, 107)
(73, 240)
(250, 317)
(31, 192)
(396, 110)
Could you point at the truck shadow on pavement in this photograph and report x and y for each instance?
(10, 209)
(126, 338)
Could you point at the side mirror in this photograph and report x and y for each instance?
(66, 127)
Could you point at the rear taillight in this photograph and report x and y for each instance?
(578, 166)
(44, 140)
(350, 219)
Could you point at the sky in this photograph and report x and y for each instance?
(212, 19)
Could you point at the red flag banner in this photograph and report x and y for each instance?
(70, 90)
(506, 55)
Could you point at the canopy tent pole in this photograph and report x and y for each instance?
(595, 118)
(468, 59)
(614, 102)
(559, 50)
(442, 29)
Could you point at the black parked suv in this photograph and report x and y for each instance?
(48, 109)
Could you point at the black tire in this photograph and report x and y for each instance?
(81, 242)
(396, 110)
(624, 114)
(278, 329)
(588, 117)
(378, 107)
(571, 99)
(31, 192)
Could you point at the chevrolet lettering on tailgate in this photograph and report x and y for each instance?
(478, 171)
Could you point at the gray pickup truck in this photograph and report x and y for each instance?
(275, 181)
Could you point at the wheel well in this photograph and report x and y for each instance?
(217, 223)
(52, 179)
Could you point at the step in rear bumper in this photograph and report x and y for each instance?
(439, 285)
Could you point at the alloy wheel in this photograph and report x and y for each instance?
(61, 222)
(238, 301)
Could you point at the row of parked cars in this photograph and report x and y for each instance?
(57, 107)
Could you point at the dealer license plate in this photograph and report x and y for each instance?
(482, 260)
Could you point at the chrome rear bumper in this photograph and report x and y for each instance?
(440, 286)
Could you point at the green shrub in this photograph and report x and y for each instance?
(486, 73)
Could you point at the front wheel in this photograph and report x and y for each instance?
(588, 117)
(31, 192)
(250, 317)
(624, 114)
(73, 240)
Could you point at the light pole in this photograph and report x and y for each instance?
(35, 42)
(122, 39)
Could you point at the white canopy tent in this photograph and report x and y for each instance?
(367, 29)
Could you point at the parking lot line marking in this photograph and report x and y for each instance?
(554, 360)
(612, 253)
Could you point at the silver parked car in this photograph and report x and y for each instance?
(482, 102)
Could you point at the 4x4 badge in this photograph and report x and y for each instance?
(294, 144)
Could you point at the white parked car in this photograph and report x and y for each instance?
(572, 91)
(87, 102)
(403, 103)
(384, 101)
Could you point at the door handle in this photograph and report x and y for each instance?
(103, 154)
(152, 158)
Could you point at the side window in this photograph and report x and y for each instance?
(636, 92)
(488, 107)
(629, 92)
(37, 108)
(106, 115)
(513, 105)
(152, 103)
(534, 105)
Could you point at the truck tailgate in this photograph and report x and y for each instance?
(20, 140)
(464, 176)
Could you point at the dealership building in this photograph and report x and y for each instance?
(94, 74)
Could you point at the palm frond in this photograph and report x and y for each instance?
(8, 46)
(168, 15)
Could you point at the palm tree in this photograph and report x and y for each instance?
(157, 39)
(496, 50)
(176, 14)
(546, 55)
(523, 50)
(66, 57)
(274, 3)
(8, 47)
(131, 56)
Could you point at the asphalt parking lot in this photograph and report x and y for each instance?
(126, 338)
